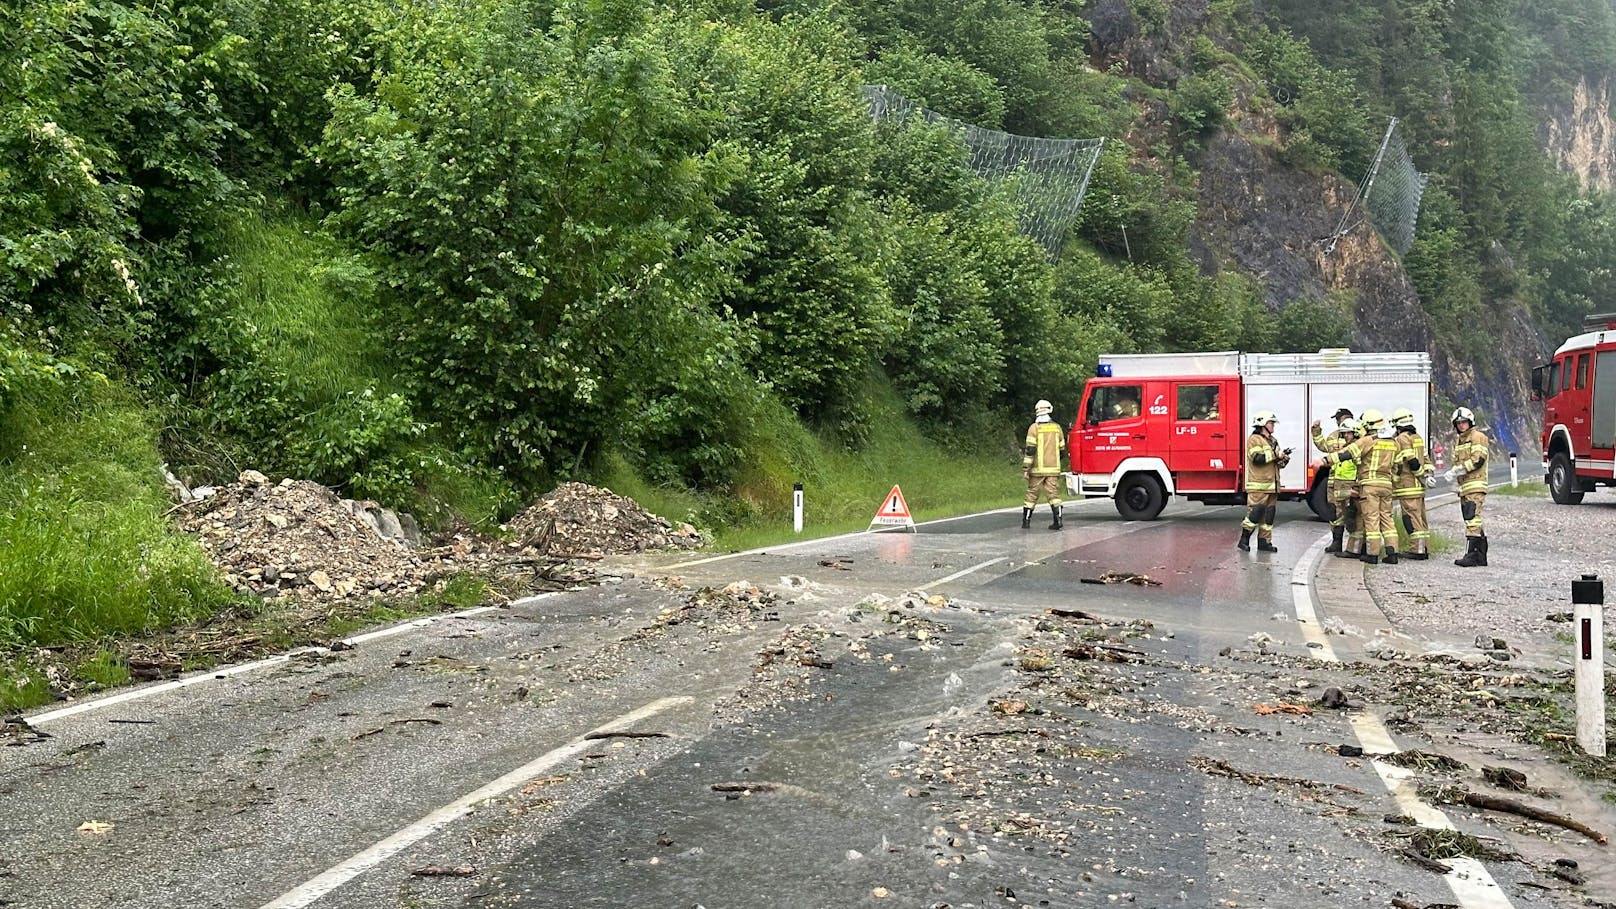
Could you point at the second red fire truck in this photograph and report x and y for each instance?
(1152, 426)
(1578, 390)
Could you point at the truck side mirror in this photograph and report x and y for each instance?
(1538, 373)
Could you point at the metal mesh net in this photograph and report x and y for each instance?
(1049, 176)
(1390, 192)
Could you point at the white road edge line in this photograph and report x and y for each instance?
(960, 574)
(340, 874)
(1472, 885)
(224, 672)
(761, 550)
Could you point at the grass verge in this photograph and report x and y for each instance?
(842, 489)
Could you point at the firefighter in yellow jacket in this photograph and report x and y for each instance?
(1343, 481)
(1376, 460)
(1414, 471)
(1263, 462)
(1470, 469)
(1041, 464)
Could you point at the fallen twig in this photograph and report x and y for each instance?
(1078, 614)
(1459, 795)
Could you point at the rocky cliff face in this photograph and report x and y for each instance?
(1279, 224)
(1580, 135)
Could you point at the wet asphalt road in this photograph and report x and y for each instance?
(285, 786)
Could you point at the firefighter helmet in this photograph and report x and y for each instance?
(1402, 416)
(1043, 408)
(1463, 413)
(1372, 421)
(1351, 425)
(1263, 418)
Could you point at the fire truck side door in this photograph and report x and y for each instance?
(1206, 439)
(1113, 426)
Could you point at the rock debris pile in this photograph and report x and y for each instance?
(275, 539)
(579, 519)
(298, 539)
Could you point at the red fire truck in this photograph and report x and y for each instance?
(1157, 425)
(1578, 390)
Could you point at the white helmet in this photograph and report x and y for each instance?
(1350, 425)
(1042, 408)
(1463, 413)
(1402, 416)
(1372, 421)
(1263, 418)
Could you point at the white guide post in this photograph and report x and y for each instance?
(1588, 634)
(796, 507)
(1514, 471)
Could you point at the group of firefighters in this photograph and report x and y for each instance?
(1374, 465)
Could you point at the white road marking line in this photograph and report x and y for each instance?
(761, 550)
(1472, 885)
(224, 672)
(960, 574)
(358, 864)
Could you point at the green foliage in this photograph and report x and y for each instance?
(806, 228)
(83, 536)
(592, 175)
(1199, 105)
(951, 87)
(1306, 326)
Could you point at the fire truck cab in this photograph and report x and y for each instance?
(1578, 391)
(1156, 425)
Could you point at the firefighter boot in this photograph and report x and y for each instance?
(1481, 550)
(1266, 545)
(1390, 558)
(1057, 524)
(1335, 539)
(1352, 548)
(1026, 517)
(1245, 541)
(1472, 556)
(1418, 553)
(1370, 559)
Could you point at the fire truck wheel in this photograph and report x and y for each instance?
(1564, 487)
(1140, 497)
(1319, 500)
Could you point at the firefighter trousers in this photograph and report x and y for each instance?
(1419, 532)
(1470, 506)
(1341, 498)
(1379, 531)
(1042, 486)
(1260, 510)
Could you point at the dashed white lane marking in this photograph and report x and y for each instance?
(358, 864)
(225, 672)
(960, 574)
(1472, 885)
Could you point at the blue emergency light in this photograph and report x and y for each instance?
(1103, 371)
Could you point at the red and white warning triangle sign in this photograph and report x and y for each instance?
(894, 512)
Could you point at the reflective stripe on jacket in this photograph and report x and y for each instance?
(1263, 461)
(1045, 444)
(1410, 480)
(1470, 456)
(1375, 459)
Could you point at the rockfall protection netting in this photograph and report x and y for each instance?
(1390, 192)
(1049, 176)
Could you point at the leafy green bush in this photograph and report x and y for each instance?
(85, 548)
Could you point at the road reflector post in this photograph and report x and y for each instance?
(1588, 605)
(1514, 471)
(796, 507)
